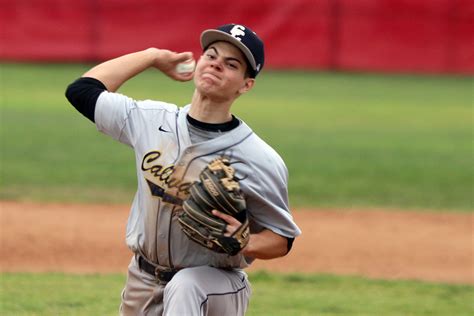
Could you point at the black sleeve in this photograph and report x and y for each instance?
(290, 243)
(83, 94)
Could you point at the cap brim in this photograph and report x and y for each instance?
(210, 36)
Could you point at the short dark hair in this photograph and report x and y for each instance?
(249, 73)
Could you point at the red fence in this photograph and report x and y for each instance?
(381, 35)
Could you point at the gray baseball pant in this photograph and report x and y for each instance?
(197, 291)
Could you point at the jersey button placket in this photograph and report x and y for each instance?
(163, 229)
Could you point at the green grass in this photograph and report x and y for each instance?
(349, 140)
(285, 295)
(326, 295)
(59, 294)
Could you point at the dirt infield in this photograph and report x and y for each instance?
(378, 244)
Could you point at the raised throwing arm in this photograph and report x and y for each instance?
(113, 73)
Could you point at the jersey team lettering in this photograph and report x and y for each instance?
(163, 174)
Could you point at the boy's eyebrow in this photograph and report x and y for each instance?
(226, 58)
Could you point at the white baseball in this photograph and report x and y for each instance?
(186, 67)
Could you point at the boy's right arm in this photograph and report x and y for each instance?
(110, 75)
(113, 73)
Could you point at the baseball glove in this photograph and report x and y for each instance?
(218, 189)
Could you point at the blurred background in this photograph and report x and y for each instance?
(434, 36)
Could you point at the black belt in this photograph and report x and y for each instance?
(161, 273)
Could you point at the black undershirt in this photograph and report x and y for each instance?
(83, 94)
(211, 127)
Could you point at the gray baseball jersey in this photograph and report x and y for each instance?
(168, 162)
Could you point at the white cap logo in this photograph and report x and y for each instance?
(237, 31)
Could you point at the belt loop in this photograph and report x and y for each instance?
(136, 255)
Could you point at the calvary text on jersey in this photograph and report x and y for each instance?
(163, 174)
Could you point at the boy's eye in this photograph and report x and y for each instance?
(233, 66)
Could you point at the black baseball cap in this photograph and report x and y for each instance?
(243, 38)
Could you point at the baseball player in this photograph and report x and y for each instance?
(169, 273)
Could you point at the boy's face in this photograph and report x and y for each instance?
(220, 72)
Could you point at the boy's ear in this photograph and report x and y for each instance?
(248, 85)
